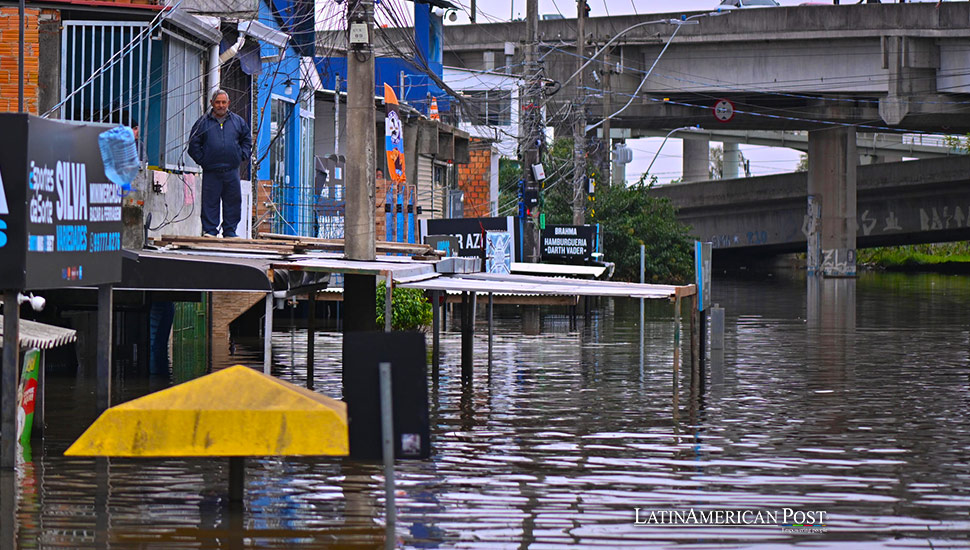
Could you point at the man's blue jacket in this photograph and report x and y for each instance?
(220, 147)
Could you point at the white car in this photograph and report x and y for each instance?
(742, 4)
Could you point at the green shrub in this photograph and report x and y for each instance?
(410, 310)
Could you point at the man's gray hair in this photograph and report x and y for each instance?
(218, 93)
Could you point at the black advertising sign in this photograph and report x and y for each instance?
(13, 202)
(64, 212)
(470, 232)
(567, 244)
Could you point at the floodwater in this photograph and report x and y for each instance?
(850, 399)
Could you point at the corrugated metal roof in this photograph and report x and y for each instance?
(528, 284)
(41, 335)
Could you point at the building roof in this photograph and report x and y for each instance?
(42, 335)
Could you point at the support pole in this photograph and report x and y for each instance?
(531, 131)
(311, 328)
(676, 351)
(20, 56)
(490, 331)
(237, 480)
(467, 335)
(579, 124)
(268, 334)
(435, 331)
(695, 342)
(105, 330)
(8, 383)
(387, 433)
(361, 234)
(336, 116)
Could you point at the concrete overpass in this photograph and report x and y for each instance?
(917, 201)
(804, 67)
(831, 70)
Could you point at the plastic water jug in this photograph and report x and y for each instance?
(120, 156)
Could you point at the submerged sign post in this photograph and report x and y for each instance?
(61, 216)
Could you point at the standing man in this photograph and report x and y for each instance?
(220, 141)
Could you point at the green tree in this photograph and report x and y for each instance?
(410, 310)
(629, 217)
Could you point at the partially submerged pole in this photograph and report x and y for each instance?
(490, 331)
(435, 331)
(387, 449)
(268, 334)
(467, 335)
(676, 349)
(311, 327)
(8, 381)
(237, 480)
(105, 314)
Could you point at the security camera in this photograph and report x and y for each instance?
(36, 302)
(452, 16)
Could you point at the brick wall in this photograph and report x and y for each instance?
(474, 180)
(9, 57)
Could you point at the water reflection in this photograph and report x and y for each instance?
(847, 398)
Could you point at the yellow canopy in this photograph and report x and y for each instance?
(234, 412)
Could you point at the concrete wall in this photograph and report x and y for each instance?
(897, 203)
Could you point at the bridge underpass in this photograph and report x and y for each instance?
(918, 201)
(831, 70)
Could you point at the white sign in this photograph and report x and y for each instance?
(723, 110)
(3, 197)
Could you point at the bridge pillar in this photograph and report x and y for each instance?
(831, 223)
(730, 160)
(697, 160)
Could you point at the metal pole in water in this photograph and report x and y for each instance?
(268, 334)
(311, 327)
(105, 317)
(642, 280)
(237, 480)
(676, 350)
(490, 329)
(717, 327)
(387, 433)
(436, 331)
(8, 382)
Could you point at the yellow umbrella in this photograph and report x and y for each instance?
(235, 412)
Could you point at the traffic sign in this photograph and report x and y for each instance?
(724, 110)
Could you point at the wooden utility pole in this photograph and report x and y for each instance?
(579, 123)
(531, 126)
(359, 230)
(607, 178)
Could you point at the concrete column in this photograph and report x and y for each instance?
(730, 160)
(697, 160)
(832, 161)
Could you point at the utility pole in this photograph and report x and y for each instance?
(607, 178)
(531, 129)
(359, 231)
(579, 124)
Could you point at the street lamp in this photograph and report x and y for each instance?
(684, 20)
(670, 133)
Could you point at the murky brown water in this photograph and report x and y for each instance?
(851, 399)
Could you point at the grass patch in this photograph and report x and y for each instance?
(917, 255)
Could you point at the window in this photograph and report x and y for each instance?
(184, 100)
(494, 107)
(105, 71)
